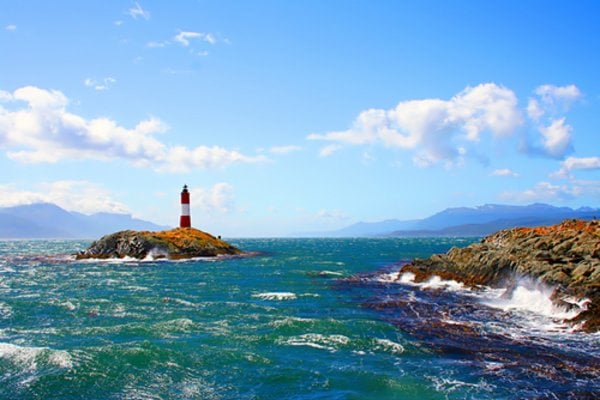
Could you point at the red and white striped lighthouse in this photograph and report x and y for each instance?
(185, 221)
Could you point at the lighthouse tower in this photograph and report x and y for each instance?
(185, 221)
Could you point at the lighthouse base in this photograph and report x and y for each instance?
(185, 221)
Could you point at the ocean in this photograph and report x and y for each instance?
(300, 319)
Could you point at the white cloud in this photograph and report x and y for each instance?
(558, 97)
(284, 149)
(44, 131)
(572, 163)
(11, 27)
(82, 196)
(157, 45)
(534, 110)
(505, 172)
(331, 215)
(545, 110)
(101, 85)
(182, 159)
(5, 96)
(216, 199)
(447, 131)
(556, 138)
(576, 163)
(328, 150)
(138, 12)
(184, 37)
(543, 192)
(552, 100)
(550, 193)
(431, 127)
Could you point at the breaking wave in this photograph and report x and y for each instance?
(31, 358)
(276, 296)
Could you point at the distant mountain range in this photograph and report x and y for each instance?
(45, 221)
(466, 221)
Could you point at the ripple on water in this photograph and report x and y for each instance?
(288, 320)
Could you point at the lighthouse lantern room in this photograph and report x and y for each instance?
(185, 220)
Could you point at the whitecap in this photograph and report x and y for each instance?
(330, 273)
(290, 321)
(61, 359)
(29, 357)
(391, 277)
(119, 310)
(5, 311)
(310, 295)
(407, 277)
(449, 385)
(396, 277)
(388, 346)
(317, 341)
(435, 282)
(178, 301)
(176, 326)
(69, 306)
(179, 324)
(536, 299)
(275, 296)
(532, 305)
(156, 254)
(135, 288)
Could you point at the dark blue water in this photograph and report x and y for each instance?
(304, 319)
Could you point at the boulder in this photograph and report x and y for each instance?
(565, 256)
(176, 243)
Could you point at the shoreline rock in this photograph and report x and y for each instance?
(565, 256)
(175, 244)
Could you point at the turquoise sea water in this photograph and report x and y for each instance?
(303, 319)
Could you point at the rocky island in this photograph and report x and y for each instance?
(175, 244)
(565, 256)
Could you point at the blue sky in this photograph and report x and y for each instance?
(295, 116)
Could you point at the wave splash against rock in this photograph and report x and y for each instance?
(565, 256)
(179, 243)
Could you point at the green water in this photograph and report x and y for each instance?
(274, 326)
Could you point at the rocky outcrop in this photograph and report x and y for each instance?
(565, 256)
(177, 243)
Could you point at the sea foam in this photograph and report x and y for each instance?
(537, 299)
(275, 296)
(5, 311)
(317, 341)
(408, 278)
(388, 346)
(28, 358)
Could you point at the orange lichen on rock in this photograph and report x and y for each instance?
(578, 225)
(184, 237)
(174, 244)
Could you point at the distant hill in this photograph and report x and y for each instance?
(469, 221)
(46, 221)
(375, 228)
